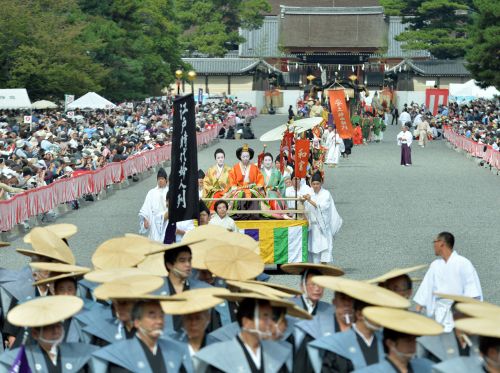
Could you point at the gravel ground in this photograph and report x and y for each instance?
(391, 213)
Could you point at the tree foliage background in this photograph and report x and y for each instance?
(123, 49)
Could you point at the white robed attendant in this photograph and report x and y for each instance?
(456, 275)
(221, 217)
(182, 227)
(151, 214)
(324, 222)
(300, 192)
(335, 146)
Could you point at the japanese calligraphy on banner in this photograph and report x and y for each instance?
(183, 202)
(340, 113)
(302, 147)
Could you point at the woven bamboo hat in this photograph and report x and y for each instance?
(287, 289)
(396, 272)
(257, 287)
(58, 271)
(4, 244)
(324, 269)
(60, 230)
(485, 327)
(43, 311)
(127, 287)
(154, 265)
(234, 263)
(121, 252)
(458, 298)
(240, 239)
(112, 274)
(46, 243)
(480, 310)
(75, 275)
(368, 293)
(163, 248)
(195, 300)
(402, 321)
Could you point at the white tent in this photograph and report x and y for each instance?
(15, 98)
(43, 104)
(91, 100)
(469, 91)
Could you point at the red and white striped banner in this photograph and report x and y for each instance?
(485, 152)
(40, 200)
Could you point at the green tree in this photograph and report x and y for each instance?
(211, 26)
(483, 56)
(138, 43)
(439, 26)
(392, 7)
(41, 49)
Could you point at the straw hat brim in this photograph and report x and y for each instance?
(396, 272)
(4, 244)
(324, 269)
(154, 265)
(299, 313)
(480, 310)
(58, 267)
(402, 321)
(107, 275)
(59, 277)
(122, 252)
(286, 289)
(234, 263)
(484, 327)
(256, 287)
(47, 254)
(164, 248)
(241, 239)
(458, 298)
(274, 301)
(43, 311)
(200, 251)
(368, 293)
(60, 230)
(196, 300)
(127, 287)
(44, 240)
(203, 232)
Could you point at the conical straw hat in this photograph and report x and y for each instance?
(368, 293)
(287, 289)
(396, 272)
(234, 263)
(195, 300)
(127, 287)
(256, 287)
(43, 311)
(60, 230)
(479, 310)
(46, 243)
(58, 267)
(47, 280)
(402, 321)
(121, 252)
(112, 274)
(324, 269)
(484, 327)
(154, 265)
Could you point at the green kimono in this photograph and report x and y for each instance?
(275, 187)
(365, 128)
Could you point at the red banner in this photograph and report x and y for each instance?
(434, 98)
(301, 157)
(340, 113)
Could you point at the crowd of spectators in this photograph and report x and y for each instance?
(56, 145)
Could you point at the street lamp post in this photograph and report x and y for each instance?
(191, 77)
(178, 75)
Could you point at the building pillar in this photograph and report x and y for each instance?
(229, 85)
(206, 84)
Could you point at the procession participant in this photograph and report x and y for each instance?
(221, 216)
(107, 328)
(246, 180)
(49, 353)
(397, 280)
(217, 177)
(361, 345)
(366, 125)
(450, 274)
(449, 345)
(274, 182)
(378, 129)
(195, 309)
(201, 178)
(204, 218)
(297, 189)
(422, 131)
(324, 221)
(316, 109)
(327, 318)
(154, 205)
(335, 146)
(251, 350)
(486, 328)
(148, 349)
(401, 329)
(177, 259)
(405, 139)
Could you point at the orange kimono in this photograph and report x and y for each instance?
(238, 179)
(358, 136)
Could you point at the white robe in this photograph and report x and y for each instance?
(324, 223)
(153, 208)
(303, 190)
(335, 147)
(185, 225)
(226, 222)
(456, 276)
(406, 138)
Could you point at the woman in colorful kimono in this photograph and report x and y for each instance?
(216, 180)
(274, 183)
